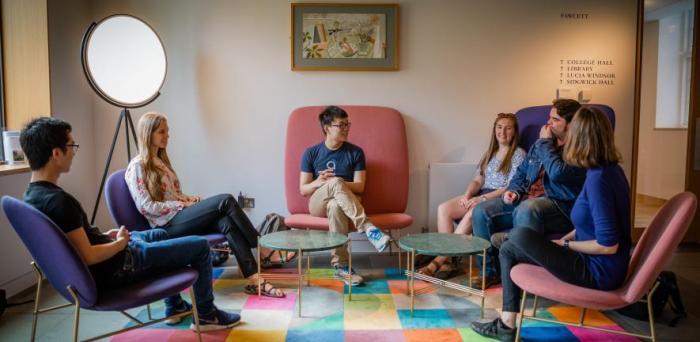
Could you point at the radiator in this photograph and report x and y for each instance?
(446, 180)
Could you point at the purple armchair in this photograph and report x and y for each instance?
(650, 255)
(55, 258)
(124, 212)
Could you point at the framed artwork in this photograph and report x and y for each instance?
(345, 37)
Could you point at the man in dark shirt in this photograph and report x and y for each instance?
(540, 194)
(333, 175)
(118, 257)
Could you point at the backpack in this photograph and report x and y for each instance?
(270, 258)
(667, 289)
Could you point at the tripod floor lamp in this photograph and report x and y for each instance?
(124, 61)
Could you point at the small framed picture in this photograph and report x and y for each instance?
(13, 150)
(345, 37)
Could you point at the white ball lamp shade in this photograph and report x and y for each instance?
(124, 61)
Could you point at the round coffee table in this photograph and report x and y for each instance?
(302, 241)
(438, 244)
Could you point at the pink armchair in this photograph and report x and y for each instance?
(650, 255)
(380, 132)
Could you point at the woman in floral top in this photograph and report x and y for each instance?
(495, 170)
(156, 191)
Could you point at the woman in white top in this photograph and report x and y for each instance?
(156, 191)
(496, 168)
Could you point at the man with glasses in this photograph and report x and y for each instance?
(333, 175)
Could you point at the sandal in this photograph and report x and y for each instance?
(445, 270)
(268, 290)
(427, 270)
(270, 261)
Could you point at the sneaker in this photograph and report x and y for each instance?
(378, 239)
(495, 329)
(498, 239)
(218, 320)
(350, 277)
(173, 310)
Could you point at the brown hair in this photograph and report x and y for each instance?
(590, 142)
(566, 108)
(148, 124)
(493, 145)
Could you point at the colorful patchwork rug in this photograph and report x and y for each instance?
(378, 311)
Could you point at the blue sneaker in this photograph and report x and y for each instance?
(347, 275)
(378, 239)
(173, 310)
(217, 320)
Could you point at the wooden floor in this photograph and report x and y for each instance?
(645, 208)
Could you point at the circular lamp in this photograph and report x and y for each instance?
(124, 61)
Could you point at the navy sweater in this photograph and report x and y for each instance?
(602, 213)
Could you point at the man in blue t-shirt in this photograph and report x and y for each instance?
(333, 175)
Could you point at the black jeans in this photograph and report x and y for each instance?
(223, 213)
(529, 246)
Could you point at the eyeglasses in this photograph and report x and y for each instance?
(74, 146)
(343, 125)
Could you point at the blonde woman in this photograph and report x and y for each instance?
(597, 252)
(496, 168)
(156, 191)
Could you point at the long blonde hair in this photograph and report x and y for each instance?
(148, 124)
(505, 166)
(590, 141)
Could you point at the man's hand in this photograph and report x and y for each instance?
(123, 234)
(546, 132)
(509, 197)
(112, 233)
(323, 177)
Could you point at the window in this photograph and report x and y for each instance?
(674, 64)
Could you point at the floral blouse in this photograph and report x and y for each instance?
(495, 180)
(158, 213)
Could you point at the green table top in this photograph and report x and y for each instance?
(436, 244)
(306, 240)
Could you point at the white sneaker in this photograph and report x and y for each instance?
(378, 239)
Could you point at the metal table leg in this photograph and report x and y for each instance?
(483, 281)
(413, 280)
(301, 261)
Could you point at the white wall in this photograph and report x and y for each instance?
(230, 89)
(71, 99)
(661, 163)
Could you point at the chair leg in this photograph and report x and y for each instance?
(534, 306)
(35, 317)
(195, 314)
(76, 319)
(650, 311)
(519, 325)
(583, 316)
(148, 309)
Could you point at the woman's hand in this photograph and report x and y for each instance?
(464, 201)
(194, 199)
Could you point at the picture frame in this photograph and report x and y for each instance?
(345, 37)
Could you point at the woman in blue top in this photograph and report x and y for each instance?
(496, 168)
(596, 253)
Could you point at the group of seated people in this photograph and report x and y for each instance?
(568, 183)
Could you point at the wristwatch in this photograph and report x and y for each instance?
(483, 198)
(566, 244)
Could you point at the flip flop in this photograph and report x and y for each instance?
(267, 291)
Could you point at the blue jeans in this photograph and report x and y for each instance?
(540, 214)
(151, 252)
